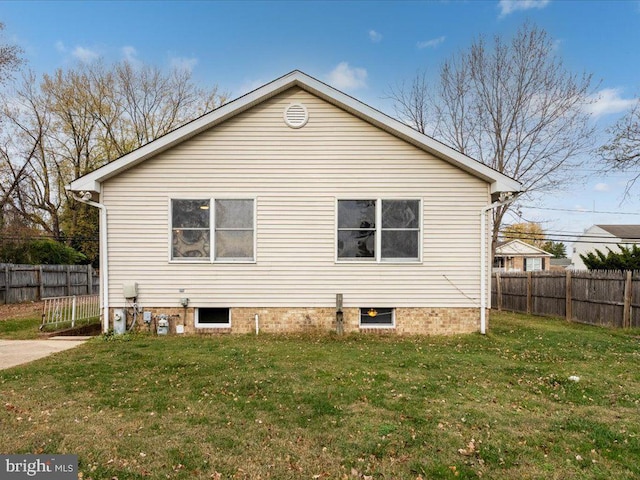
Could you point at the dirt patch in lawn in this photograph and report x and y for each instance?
(15, 311)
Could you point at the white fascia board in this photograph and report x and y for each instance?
(498, 181)
(83, 184)
(518, 247)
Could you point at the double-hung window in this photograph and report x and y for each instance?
(533, 264)
(224, 233)
(378, 230)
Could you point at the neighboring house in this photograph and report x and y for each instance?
(601, 237)
(262, 211)
(560, 264)
(518, 256)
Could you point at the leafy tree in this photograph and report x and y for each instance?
(627, 259)
(510, 104)
(529, 232)
(79, 222)
(557, 249)
(533, 234)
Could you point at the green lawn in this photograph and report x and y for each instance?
(29, 328)
(499, 406)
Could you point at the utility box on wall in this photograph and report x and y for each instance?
(120, 321)
(163, 325)
(130, 290)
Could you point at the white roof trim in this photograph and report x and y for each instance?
(499, 182)
(517, 247)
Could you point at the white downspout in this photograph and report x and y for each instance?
(104, 259)
(483, 258)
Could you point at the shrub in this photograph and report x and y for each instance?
(41, 252)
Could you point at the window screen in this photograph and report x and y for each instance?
(392, 226)
(356, 229)
(190, 236)
(234, 229)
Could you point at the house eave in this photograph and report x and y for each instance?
(508, 249)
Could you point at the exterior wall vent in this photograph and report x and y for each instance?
(296, 115)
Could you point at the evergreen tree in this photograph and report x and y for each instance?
(627, 259)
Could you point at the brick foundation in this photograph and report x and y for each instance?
(408, 321)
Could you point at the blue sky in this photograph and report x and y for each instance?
(362, 48)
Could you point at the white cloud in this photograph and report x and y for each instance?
(85, 55)
(60, 47)
(601, 187)
(581, 209)
(183, 63)
(374, 36)
(249, 86)
(507, 7)
(433, 43)
(130, 54)
(608, 100)
(344, 77)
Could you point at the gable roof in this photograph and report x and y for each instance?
(627, 233)
(498, 181)
(516, 248)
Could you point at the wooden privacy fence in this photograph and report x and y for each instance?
(25, 283)
(602, 298)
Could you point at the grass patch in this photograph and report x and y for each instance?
(29, 328)
(289, 407)
(20, 329)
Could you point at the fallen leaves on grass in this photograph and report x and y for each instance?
(470, 450)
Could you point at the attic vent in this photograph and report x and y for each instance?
(296, 115)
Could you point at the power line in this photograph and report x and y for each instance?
(579, 211)
(545, 235)
(588, 239)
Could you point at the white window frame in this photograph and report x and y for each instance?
(212, 231)
(197, 323)
(372, 325)
(378, 232)
(537, 261)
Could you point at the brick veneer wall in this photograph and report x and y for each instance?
(408, 321)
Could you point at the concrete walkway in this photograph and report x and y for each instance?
(17, 352)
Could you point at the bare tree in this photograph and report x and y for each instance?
(35, 196)
(10, 173)
(511, 105)
(10, 59)
(73, 121)
(622, 151)
(155, 103)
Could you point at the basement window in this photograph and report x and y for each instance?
(372, 317)
(213, 318)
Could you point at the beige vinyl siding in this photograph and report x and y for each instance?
(296, 177)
